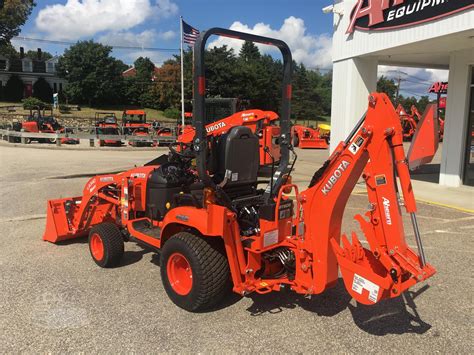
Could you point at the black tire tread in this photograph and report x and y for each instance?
(214, 269)
(113, 243)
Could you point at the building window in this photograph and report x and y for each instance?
(55, 87)
(51, 67)
(27, 65)
(60, 87)
(3, 64)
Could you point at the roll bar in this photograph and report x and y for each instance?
(199, 114)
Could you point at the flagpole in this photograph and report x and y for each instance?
(182, 73)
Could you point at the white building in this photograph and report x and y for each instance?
(436, 34)
(29, 71)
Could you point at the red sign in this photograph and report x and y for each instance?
(439, 88)
(389, 14)
(442, 102)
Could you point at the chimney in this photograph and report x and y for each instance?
(22, 52)
(39, 53)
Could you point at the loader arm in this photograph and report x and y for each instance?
(374, 151)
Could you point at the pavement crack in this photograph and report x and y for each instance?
(23, 218)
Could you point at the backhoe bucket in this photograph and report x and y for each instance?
(425, 141)
(370, 277)
(59, 219)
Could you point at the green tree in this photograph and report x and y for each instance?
(387, 86)
(8, 51)
(145, 68)
(42, 90)
(422, 103)
(93, 76)
(138, 89)
(34, 55)
(14, 89)
(13, 15)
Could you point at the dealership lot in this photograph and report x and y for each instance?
(53, 298)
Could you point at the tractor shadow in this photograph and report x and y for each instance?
(329, 303)
(132, 257)
(393, 316)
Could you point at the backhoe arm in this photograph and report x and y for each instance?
(374, 151)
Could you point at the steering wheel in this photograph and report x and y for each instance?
(185, 151)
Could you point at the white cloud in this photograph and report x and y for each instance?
(77, 19)
(415, 81)
(131, 39)
(156, 57)
(312, 50)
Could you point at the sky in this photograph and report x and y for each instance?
(155, 24)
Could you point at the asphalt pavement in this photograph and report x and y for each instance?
(53, 298)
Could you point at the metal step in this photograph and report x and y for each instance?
(143, 226)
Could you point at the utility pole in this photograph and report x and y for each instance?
(399, 80)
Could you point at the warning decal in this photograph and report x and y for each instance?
(359, 283)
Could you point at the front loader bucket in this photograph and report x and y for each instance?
(59, 217)
(425, 141)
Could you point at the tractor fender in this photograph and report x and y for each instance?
(210, 221)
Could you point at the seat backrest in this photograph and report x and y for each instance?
(239, 157)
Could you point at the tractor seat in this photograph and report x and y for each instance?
(237, 162)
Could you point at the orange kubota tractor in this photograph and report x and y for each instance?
(38, 122)
(202, 208)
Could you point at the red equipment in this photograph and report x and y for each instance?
(134, 124)
(211, 223)
(308, 137)
(38, 123)
(425, 141)
(106, 123)
(408, 121)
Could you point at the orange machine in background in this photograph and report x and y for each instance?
(307, 137)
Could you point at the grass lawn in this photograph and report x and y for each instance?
(87, 113)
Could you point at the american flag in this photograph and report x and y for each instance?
(190, 34)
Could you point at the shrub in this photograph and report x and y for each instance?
(32, 103)
(172, 112)
(42, 90)
(14, 89)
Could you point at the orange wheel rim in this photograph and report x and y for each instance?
(180, 274)
(97, 247)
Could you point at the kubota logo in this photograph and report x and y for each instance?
(386, 208)
(334, 177)
(212, 128)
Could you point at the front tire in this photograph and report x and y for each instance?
(106, 244)
(194, 271)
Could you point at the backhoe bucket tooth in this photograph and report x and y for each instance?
(365, 278)
(59, 219)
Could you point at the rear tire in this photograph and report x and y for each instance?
(106, 244)
(194, 271)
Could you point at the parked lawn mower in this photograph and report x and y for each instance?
(40, 123)
(134, 124)
(309, 137)
(202, 208)
(106, 123)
